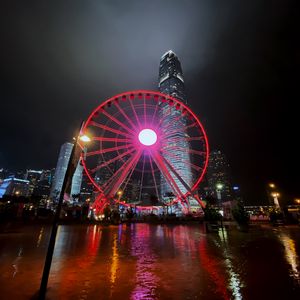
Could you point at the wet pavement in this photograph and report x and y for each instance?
(143, 261)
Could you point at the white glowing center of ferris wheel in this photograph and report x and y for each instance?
(147, 137)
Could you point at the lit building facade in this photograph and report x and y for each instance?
(218, 177)
(60, 171)
(12, 186)
(33, 176)
(171, 82)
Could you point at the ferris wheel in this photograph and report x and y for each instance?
(147, 149)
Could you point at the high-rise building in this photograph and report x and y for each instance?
(77, 180)
(218, 177)
(171, 77)
(60, 171)
(12, 186)
(171, 82)
(34, 176)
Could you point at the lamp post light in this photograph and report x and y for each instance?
(84, 138)
(72, 163)
(119, 195)
(272, 185)
(275, 196)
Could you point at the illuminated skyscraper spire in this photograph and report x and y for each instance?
(170, 76)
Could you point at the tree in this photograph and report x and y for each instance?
(107, 213)
(129, 214)
(240, 215)
(275, 214)
(211, 214)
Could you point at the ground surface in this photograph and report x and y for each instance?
(143, 261)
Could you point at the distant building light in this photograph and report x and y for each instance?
(235, 188)
(35, 171)
(15, 179)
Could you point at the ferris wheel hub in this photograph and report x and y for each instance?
(147, 137)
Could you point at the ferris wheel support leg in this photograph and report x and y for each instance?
(158, 160)
(196, 196)
(100, 203)
(124, 173)
(184, 183)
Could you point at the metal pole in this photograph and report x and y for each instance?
(48, 261)
(220, 205)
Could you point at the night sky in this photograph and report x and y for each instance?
(60, 59)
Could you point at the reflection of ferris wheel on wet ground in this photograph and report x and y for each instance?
(136, 154)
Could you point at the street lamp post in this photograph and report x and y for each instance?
(219, 188)
(275, 196)
(51, 246)
(120, 193)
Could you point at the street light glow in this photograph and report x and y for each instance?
(275, 195)
(219, 186)
(272, 185)
(84, 138)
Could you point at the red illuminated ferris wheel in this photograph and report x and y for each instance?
(147, 149)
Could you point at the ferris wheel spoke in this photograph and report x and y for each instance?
(135, 114)
(153, 175)
(125, 116)
(107, 128)
(112, 118)
(125, 169)
(142, 179)
(106, 150)
(111, 139)
(111, 160)
(129, 176)
(170, 154)
(109, 182)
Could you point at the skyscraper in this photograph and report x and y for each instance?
(171, 77)
(60, 171)
(218, 177)
(12, 186)
(34, 176)
(171, 82)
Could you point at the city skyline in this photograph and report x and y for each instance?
(239, 62)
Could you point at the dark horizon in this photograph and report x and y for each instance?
(239, 60)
